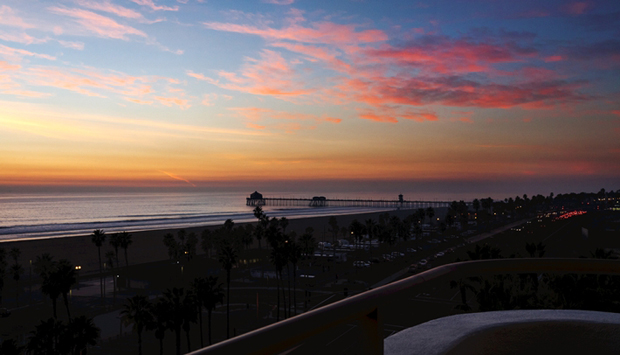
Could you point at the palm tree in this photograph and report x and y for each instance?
(294, 256)
(371, 225)
(278, 259)
(65, 277)
(430, 212)
(2, 270)
(308, 242)
(125, 242)
(46, 338)
(162, 315)
(109, 255)
(188, 309)
(228, 258)
(16, 271)
(11, 346)
(174, 299)
(137, 311)
(45, 266)
(115, 242)
(208, 294)
(213, 294)
(84, 333)
(98, 237)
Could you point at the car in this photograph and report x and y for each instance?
(440, 254)
(413, 268)
(411, 250)
(387, 257)
(423, 262)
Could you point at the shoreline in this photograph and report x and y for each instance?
(147, 246)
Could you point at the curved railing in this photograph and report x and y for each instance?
(366, 307)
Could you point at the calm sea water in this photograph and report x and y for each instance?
(25, 216)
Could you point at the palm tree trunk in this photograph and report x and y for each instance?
(127, 270)
(177, 331)
(294, 291)
(54, 308)
(209, 316)
(189, 348)
(161, 346)
(100, 274)
(228, 304)
(200, 323)
(278, 294)
(66, 301)
(288, 279)
(283, 294)
(139, 343)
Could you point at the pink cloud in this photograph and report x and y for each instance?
(152, 6)
(577, 8)
(553, 58)
(100, 25)
(320, 32)
(270, 75)
(19, 53)
(279, 2)
(21, 38)
(9, 18)
(466, 120)
(616, 112)
(254, 126)
(107, 6)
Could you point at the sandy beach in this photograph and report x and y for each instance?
(148, 247)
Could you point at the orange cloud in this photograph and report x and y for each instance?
(176, 177)
(169, 101)
(268, 116)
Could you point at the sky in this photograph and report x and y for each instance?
(491, 96)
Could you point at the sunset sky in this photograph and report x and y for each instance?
(187, 93)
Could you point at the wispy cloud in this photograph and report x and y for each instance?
(176, 177)
(150, 4)
(97, 24)
(9, 18)
(16, 53)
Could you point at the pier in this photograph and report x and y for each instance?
(257, 199)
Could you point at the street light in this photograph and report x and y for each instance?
(77, 273)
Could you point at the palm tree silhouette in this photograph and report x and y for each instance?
(98, 237)
(16, 271)
(45, 266)
(294, 257)
(371, 226)
(84, 333)
(65, 277)
(430, 212)
(125, 242)
(109, 255)
(137, 311)
(162, 321)
(115, 242)
(2, 270)
(46, 338)
(174, 299)
(228, 258)
(208, 294)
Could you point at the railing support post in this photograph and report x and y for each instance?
(371, 339)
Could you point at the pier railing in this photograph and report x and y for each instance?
(367, 307)
(313, 202)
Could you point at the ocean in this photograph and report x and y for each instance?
(51, 215)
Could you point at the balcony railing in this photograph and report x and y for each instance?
(367, 307)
